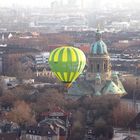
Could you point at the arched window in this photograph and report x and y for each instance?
(105, 66)
(98, 67)
(91, 68)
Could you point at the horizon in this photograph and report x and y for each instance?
(86, 3)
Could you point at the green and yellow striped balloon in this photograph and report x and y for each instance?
(67, 63)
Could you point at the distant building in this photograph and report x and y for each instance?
(1, 59)
(42, 65)
(135, 123)
(58, 113)
(57, 125)
(85, 47)
(9, 131)
(9, 136)
(43, 72)
(98, 79)
(42, 58)
(132, 101)
(118, 26)
(62, 118)
(53, 127)
(41, 133)
(9, 82)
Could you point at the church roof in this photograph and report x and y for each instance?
(120, 85)
(111, 88)
(114, 75)
(80, 89)
(98, 93)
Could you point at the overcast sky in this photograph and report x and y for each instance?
(46, 3)
(25, 2)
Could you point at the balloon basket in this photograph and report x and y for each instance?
(68, 85)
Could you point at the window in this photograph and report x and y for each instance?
(49, 132)
(98, 68)
(49, 138)
(91, 68)
(38, 138)
(105, 66)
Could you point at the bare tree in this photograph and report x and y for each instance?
(122, 115)
(21, 113)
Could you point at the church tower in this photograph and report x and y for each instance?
(98, 60)
(99, 79)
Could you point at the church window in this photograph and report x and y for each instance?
(91, 68)
(98, 68)
(105, 66)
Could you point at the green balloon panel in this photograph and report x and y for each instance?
(67, 63)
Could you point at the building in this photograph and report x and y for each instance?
(43, 72)
(12, 82)
(41, 133)
(58, 126)
(99, 78)
(61, 117)
(53, 127)
(41, 65)
(132, 101)
(9, 131)
(9, 136)
(59, 113)
(42, 58)
(135, 123)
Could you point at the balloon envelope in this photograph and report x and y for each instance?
(67, 63)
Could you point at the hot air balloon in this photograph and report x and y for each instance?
(67, 63)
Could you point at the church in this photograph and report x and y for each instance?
(98, 79)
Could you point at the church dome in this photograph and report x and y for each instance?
(99, 48)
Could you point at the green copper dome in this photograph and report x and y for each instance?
(99, 48)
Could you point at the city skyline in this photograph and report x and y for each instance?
(86, 3)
